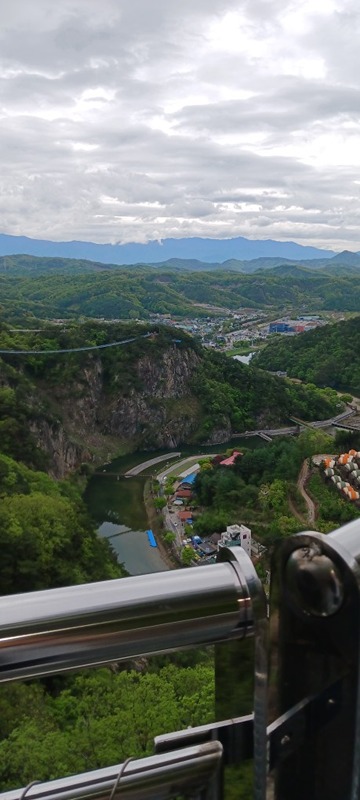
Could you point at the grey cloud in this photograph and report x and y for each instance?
(292, 105)
(336, 39)
(120, 122)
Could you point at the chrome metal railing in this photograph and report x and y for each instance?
(304, 734)
(46, 632)
(195, 768)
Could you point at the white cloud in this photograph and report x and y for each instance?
(136, 120)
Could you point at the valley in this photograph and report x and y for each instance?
(87, 401)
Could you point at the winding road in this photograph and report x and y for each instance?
(150, 463)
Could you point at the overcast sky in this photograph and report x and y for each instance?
(129, 120)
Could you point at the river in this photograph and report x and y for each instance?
(117, 505)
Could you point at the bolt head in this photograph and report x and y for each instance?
(313, 582)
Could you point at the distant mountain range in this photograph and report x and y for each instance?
(344, 264)
(53, 288)
(333, 263)
(211, 252)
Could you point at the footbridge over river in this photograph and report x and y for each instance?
(144, 469)
(337, 421)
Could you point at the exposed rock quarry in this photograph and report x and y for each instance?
(157, 392)
(64, 455)
(159, 413)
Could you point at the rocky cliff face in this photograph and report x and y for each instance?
(64, 455)
(93, 417)
(163, 412)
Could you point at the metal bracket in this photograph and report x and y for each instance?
(284, 735)
(290, 730)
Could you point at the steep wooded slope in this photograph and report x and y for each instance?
(328, 356)
(151, 393)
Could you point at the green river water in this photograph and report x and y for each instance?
(117, 505)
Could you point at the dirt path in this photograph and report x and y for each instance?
(303, 477)
(297, 513)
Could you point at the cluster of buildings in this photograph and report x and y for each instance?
(183, 492)
(228, 329)
(303, 323)
(223, 329)
(344, 472)
(205, 548)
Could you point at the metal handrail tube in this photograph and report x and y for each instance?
(348, 537)
(154, 778)
(57, 630)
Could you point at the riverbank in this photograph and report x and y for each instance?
(117, 505)
(156, 523)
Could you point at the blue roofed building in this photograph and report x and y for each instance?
(188, 481)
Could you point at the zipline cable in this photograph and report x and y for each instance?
(73, 349)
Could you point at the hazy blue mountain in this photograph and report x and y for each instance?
(207, 250)
(335, 265)
(346, 257)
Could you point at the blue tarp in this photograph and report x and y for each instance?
(151, 537)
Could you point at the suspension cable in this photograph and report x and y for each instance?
(73, 349)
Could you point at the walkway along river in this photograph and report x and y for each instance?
(117, 505)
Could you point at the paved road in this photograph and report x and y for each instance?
(182, 463)
(150, 463)
(173, 524)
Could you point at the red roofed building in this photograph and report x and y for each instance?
(229, 462)
(184, 515)
(183, 493)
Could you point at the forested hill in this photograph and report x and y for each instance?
(69, 289)
(58, 410)
(328, 356)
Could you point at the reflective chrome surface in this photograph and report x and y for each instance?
(168, 775)
(315, 645)
(246, 571)
(52, 631)
(348, 538)
(314, 582)
(314, 663)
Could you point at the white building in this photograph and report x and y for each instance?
(236, 534)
